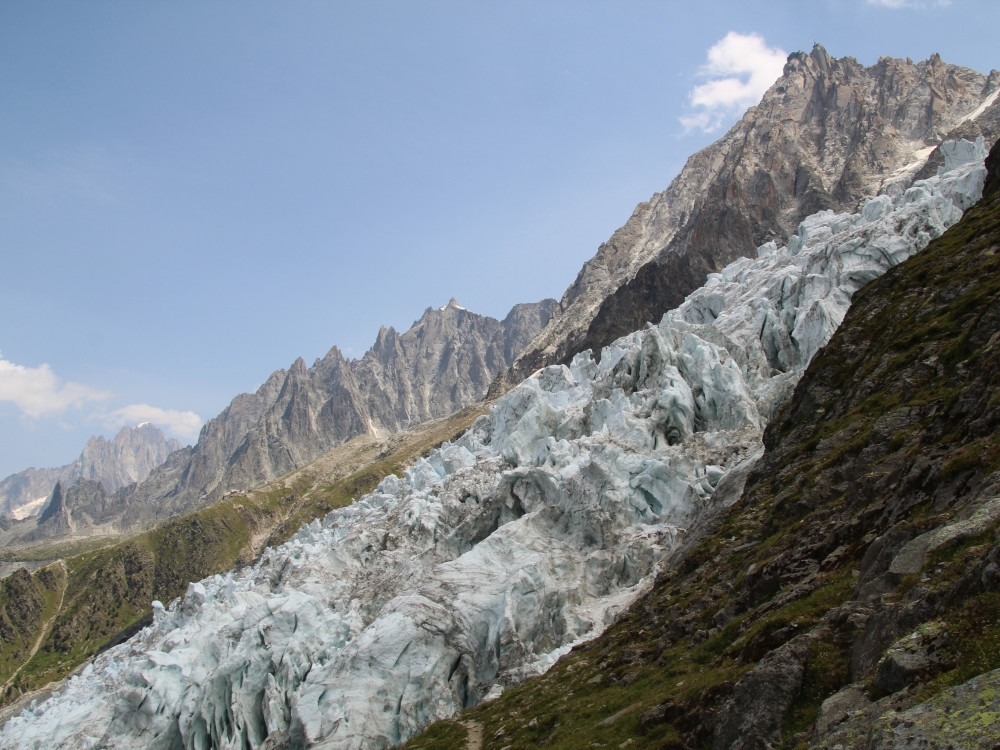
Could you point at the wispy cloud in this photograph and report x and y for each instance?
(740, 69)
(181, 424)
(38, 391)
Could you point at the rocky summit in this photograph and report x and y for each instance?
(443, 363)
(128, 457)
(496, 554)
(829, 134)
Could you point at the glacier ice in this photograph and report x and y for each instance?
(493, 555)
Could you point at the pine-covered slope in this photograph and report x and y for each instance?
(850, 598)
(827, 135)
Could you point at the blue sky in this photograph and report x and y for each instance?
(194, 194)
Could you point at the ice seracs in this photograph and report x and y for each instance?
(493, 555)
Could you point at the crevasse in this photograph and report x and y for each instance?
(494, 555)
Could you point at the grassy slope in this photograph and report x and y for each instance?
(893, 430)
(28, 601)
(109, 590)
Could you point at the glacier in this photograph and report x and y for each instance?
(495, 554)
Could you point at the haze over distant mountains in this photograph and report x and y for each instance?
(128, 457)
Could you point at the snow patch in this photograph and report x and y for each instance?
(29, 509)
(982, 107)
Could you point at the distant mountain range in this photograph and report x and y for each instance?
(443, 363)
(774, 510)
(127, 458)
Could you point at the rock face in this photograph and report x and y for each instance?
(25, 493)
(849, 598)
(828, 134)
(128, 457)
(444, 362)
(492, 556)
(54, 518)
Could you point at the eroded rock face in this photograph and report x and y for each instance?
(444, 362)
(829, 134)
(130, 456)
(494, 555)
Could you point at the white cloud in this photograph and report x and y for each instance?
(38, 392)
(741, 67)
(181, 424)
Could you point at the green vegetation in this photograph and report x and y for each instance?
(446, 735)
(28, 603)
(893, 430)
(109, 590)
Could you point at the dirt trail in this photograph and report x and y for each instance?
(475, 739)
(46, 628)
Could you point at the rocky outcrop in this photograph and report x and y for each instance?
(54, 519)
(130, 456)
(493, 555)
(849, 598)
(827, 135)
(444, 362)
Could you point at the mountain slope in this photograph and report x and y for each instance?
(849, 599)
(128, 457)
(443, 363)
(827, 135)
(492, 556)
(110, 587)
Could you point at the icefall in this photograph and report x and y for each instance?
(493, 555)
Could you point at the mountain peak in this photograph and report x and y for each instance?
(828, 134)
(820, 55)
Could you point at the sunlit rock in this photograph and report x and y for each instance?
(492, 556)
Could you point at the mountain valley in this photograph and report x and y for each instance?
(736, 490)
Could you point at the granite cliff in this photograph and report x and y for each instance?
(443, 363)
(828, 134)
(128, 457)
